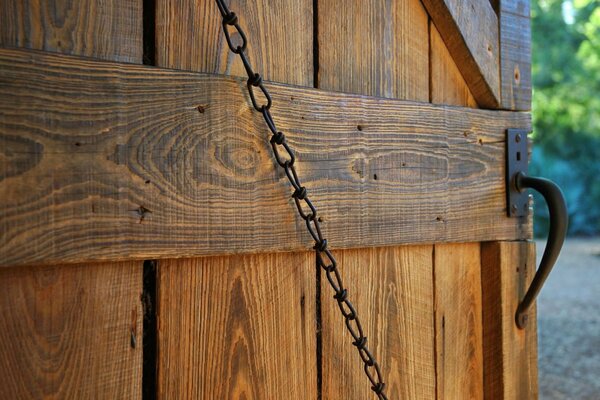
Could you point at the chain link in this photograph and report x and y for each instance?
(285, 158)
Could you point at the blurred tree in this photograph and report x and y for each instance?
(566, 107)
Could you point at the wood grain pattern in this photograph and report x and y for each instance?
(457, 277)
(517, 7)
(374, 48)
(458, 321)
(280, 38)
(447, 84)
(70, 331)
(392, 289)
(148, 175)
(510, 354)
(515, 54)
(238, 327)
(105, 29)
(65, 331)
(383, 50)
(469, 29)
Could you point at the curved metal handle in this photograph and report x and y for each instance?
(559, 220)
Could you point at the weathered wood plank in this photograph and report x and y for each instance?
(255, 337)
(280, 41)
(456, 275)
(469, 29)
(66, 331)
(447, 84)
(237, 327)
(510, 354)
(381, 49)
(123, 164)
(515, 54)
(458, 333)
(392, 289)
(517, 7)
(70, 331)
(374, 48)
(105, 29)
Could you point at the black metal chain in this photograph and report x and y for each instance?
(306, 209)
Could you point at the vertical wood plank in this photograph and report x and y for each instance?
(392, 290)
(379, 49)
(72, 331)
(374, 48)
(241, 326)
(457, 277)
(105, 29)
(237, 327)
(458, 321)
(280, 41)
(68, 331)
(510, 354)
(515, 54)
(447, 84)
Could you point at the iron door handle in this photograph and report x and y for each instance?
(559, 219)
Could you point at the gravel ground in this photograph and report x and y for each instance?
(569, 324)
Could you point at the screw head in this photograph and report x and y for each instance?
(518, 138)
(521, 320)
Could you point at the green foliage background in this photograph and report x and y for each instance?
(566, 108)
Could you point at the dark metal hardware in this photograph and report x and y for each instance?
(518, 205)
(517, 201)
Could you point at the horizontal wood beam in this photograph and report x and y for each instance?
(108, 161)
(469, 29)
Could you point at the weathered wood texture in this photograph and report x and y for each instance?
(280, 41)
(378, 49)
(515, 54)
(447, 84)
(458, 326)
(510, 354)
(66, 331)
(392, 289)
(456, 269)
(374, 48)
(255, 336)
(237, 327)
(105, 29)
(469, 29)
(125, 165)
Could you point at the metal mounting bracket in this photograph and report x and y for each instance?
(517, 160)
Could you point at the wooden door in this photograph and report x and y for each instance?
(149, 245)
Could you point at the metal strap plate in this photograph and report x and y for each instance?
(517, 160)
